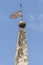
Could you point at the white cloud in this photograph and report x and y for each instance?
(40, 17)
(41, 0)
(39, 27)
(36, 22)
(30, 17)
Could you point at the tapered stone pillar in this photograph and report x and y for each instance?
(21, 56)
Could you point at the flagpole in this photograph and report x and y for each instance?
(22, 11)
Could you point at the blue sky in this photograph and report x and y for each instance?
(33, 16)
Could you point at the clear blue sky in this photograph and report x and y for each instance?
(33, 16)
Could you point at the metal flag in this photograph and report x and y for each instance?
(16, 14)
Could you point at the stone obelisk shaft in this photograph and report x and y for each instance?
(21, 57)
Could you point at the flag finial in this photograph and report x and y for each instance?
(22, 11)
(21, 5)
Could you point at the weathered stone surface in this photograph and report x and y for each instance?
(21, 57)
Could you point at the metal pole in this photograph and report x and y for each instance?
(21, 10)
